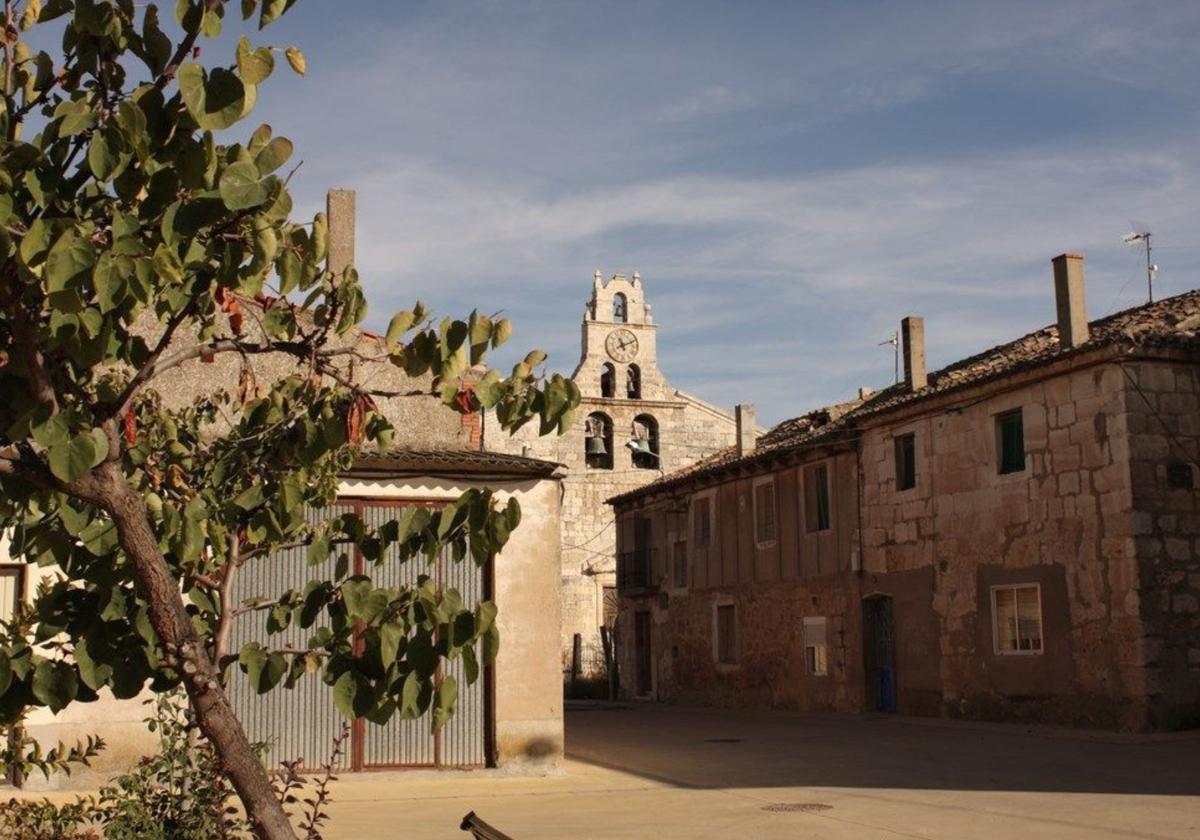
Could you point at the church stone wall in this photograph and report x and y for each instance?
(688, 430)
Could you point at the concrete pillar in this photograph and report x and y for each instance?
(339, 209)
(912, 333)
(744, 416)
(1069, 300)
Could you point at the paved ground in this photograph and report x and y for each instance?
(667, 772)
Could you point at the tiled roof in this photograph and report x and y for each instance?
(1173, 321)
(454, 461)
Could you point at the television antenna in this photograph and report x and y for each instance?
(895, 342)
(1141, 233)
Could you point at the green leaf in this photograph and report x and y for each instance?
(214, 101)
(263, 669)
(272, 10)
(274, 155)
(353, 695)
(93, 673)
(55, 684)
(69, 258)
(73, 459)
(296, 59)
(6, 673)
(255, 64)
(447, 701)
(241, 188)
(391, 634)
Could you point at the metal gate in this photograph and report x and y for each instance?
(303, 722)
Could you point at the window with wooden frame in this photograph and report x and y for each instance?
(725, 643)
(816, 497)
(702, 521)
(816, 649)
(1017, 618)
(1010, 442)
(679, 562)
(764, 511)
(906, 461)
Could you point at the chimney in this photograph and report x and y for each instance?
(912, 333)
(1069, 300)
(339, 210)
(745, 429)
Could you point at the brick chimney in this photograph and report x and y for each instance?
(339, 211)
(1069, 300)
(912, 334)
(744, 415)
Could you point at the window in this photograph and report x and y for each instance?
(620, 308)
(633, 382)
(906, 462)
(1179, 475)
(608, 380)
(816, 497)
(816, 651)
(1017, 618)
(598, 441)
(764, 511)
(1010, 441)
(726, 640)
(702, 521)
(645, 443)
(679, 561)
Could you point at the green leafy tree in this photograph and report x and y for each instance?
(137, 236)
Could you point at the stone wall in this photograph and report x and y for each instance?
(1064, 522)
(1163, 399)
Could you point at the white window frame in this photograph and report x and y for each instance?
(707, 498)
(996, 620)
(774, 538)
(716, 637)
(822, 622)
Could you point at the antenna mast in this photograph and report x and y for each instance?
(1141, 233)
(895, 342)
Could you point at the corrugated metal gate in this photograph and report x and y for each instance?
(303, 722)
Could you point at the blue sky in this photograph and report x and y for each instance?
(789, 178)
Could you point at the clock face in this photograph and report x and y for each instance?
(622, 345)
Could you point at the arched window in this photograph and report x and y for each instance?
(645, 443)
(608, 380)
(620, 308)
(598, 441)
(633, 382)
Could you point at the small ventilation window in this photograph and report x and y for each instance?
(1179, 475)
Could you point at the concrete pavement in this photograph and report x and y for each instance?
(670, 772)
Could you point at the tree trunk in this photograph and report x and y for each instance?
(200, 677)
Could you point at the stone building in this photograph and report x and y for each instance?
(1013, 537)
(632, 426)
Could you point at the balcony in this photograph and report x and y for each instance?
(635, 571)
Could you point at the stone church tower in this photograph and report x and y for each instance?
(630, 428)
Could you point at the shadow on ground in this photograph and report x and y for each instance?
(709, 748)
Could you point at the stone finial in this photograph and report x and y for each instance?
(339, 210)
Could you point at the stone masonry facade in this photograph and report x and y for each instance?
(618, 331)
(1039, 561)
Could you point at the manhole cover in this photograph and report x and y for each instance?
(723, 740)
(806, 807)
